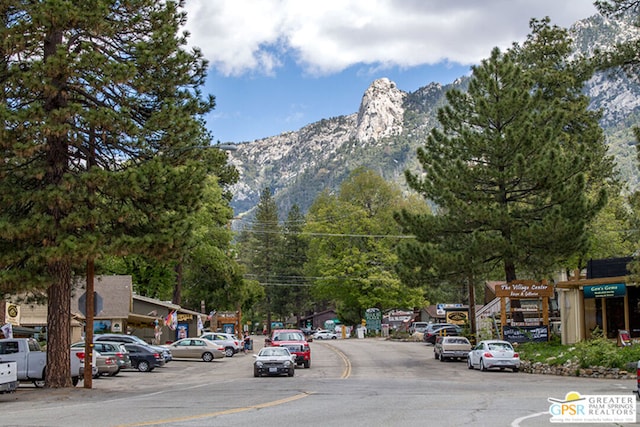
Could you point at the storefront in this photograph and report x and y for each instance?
(606, 304)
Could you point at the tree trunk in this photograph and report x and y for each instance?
(510, 272)
(58, 371)
(59, 292)
(177, 289)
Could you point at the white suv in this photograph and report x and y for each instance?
(231, 343)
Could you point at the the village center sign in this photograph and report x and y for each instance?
(524, 289)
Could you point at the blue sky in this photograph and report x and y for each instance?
(278, 65)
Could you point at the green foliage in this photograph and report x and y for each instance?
(102, 123)
(517, 169)
(352, 248)
(598, 351)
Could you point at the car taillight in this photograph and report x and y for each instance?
(487, 354)
(221, 349)
(156, 355)
(516, 355)
(80, 355)
(119, 355)
(109, 361)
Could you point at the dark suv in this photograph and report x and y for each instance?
(440, 329)
(295, 341)
(132, 339)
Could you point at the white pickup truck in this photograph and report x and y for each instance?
(31, 360)
(8, 377)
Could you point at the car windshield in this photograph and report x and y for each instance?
(457, 341)
(500, 346)
(274, 351)
(288, 336)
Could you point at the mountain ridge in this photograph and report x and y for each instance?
(390, 124)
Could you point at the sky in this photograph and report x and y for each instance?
(279, 65)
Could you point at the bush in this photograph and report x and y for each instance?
(598, 351)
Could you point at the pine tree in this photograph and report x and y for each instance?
(102, 118)
(261, 244)
(296, 297)
(517, 168)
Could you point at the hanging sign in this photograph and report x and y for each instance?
(524, 289)
(605, 291)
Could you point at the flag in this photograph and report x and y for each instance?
(167, 320)
(211, 314)
(7, 330)
(174, 320)
(200, 325)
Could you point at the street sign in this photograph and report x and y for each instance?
(97, 303)
(374, 319)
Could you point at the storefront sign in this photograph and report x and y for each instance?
(605, 291)
(525, 333)
(457, 317)
(524, 289)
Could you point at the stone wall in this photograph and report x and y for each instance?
(572, 369)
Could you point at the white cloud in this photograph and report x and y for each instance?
(327, 36)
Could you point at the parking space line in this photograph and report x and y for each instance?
(219, 413)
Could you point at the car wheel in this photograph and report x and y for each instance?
(143, 366)
(435, 354)
(482, 367)
(97, 375)
(113, 374)
(40, 383)
(469, 364)
(291, 372)
(255, 372)
(75, 381)
(307, 364)
(334, 337)
(207, 357)
(442, 359)
(229, 352)
(516, 369)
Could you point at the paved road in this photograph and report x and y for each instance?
(351, 383)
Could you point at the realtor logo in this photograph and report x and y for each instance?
(576, 408)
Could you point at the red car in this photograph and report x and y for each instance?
(295, 341)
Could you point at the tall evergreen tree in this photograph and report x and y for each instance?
(261, 243)
(294, 294)
(102, 116)
(514, 166)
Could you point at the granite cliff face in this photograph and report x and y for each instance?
(390, 124)
(381, 112)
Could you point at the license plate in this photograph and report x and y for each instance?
(273, 369)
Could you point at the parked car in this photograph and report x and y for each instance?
(107, 365)
(274, 361)
(143, 357)
(430, 334)
(451, 347)
(230, 342)
(197, 348)
(295, 341)
(490, 354)
(324, 334)
(106, 348)
(418, 327)
(132, 339)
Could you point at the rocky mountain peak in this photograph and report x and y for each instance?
(381, 111)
